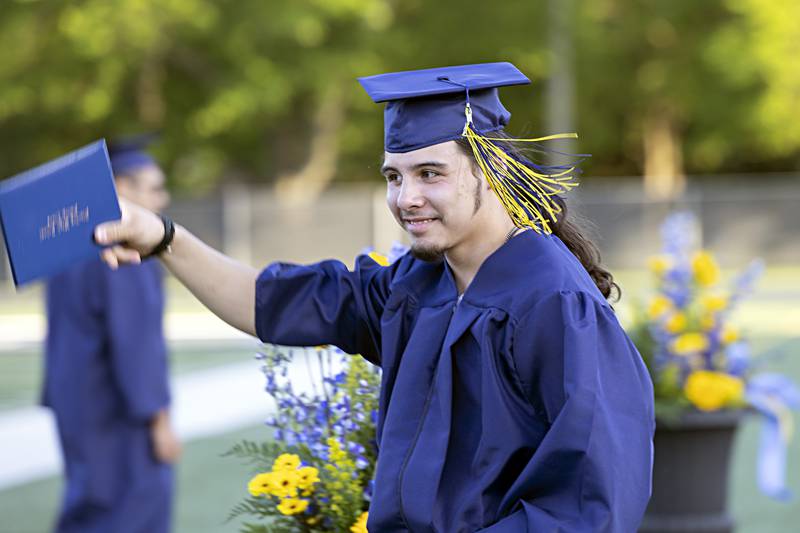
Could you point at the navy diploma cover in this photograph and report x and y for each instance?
(49, 213)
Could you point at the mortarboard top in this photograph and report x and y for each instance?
(128, 154)
(432, 106)
(426, 107)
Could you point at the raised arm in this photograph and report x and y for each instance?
(222, 284)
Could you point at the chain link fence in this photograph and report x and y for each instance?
(742, 217)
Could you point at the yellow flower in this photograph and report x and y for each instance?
(290, 506)
(659, 264)
(336, 454)
(260, 485)
(361, 524)
(714, 302)
(286, 461)
(729, 335)
(707, 322)
(381, 259)
(306, 477)
(676, 323)
(658, 306)
(284, 483)
(706, 271)
(689, 343)
(709, 390)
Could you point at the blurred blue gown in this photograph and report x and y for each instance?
(524, 407)
(105, 378)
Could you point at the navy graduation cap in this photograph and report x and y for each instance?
(432, 106)
(128, 154)
(426, 107)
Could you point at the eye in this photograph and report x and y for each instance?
(392, 177)
(429, 174)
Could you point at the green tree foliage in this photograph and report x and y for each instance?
(232, 84)
(718, 73)
(264, 90)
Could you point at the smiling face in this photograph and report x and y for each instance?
(437, 197)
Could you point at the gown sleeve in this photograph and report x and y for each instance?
(136, 345)
(584, 378)
(323, 303)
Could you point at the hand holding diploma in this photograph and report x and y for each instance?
(135, 235)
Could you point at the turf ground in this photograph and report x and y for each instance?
(209, 485)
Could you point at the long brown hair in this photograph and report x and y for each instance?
(566, 228)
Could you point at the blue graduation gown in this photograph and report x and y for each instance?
(525, 407)
(105, 378)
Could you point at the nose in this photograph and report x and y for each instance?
(410, 196)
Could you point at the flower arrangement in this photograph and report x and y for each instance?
(316, 476)
(695, 355)
(698, 360)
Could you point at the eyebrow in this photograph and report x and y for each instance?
(435, 164)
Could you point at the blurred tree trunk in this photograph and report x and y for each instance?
(149, 96)
(560, 95)
(303, 186)
(664, 175)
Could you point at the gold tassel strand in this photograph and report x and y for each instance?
(522, 190)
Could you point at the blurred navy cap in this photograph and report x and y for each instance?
(128, 154)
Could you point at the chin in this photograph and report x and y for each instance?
(427, 251)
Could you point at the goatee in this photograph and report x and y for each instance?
(428, 253)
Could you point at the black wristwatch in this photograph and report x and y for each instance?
(169, 234)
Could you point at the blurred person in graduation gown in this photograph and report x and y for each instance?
(511, 398)
(106, 378)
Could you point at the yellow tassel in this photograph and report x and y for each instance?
(526, 194)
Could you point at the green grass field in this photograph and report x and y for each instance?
(209, 485)
(20, 370)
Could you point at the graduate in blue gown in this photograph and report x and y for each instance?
(511, 400)
(107, 384)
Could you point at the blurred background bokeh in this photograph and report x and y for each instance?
(272, 151)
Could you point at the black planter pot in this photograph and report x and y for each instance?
(690, 474)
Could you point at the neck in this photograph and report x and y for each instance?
(466, 259)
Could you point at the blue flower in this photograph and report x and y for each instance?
(355, 448)
(397, 251)
(738, 354)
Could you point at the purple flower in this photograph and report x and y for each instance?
(397, 251)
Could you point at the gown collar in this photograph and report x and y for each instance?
(501, 273)
(507, 267)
